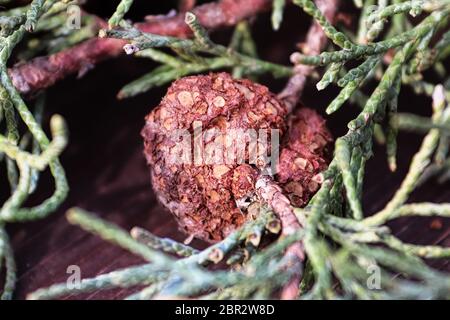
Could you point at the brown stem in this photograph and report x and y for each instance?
(267, 189)
(224, 13)
(42, 72)
(271, 193)
(314, 43)
(186, 5)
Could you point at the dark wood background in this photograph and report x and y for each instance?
(108, 175)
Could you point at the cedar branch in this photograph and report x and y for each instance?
(314, 43)
(42, 72)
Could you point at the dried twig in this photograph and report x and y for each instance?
(43, 72)
(271, 193)
(313, 45)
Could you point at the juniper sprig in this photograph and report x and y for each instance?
(23, 166)
(341, 241)
(189, 60)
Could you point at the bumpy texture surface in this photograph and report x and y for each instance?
(305, 153)
(208, 200)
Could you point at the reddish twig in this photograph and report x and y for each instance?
(42, 72)
(314, 43)
(224, 13)
(271, 193)
(268, 190)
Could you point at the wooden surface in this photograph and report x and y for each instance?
(108, 175)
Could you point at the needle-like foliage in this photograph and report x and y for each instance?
(342, 242)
